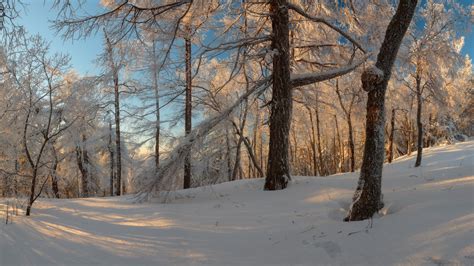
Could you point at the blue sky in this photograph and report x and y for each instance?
(83, 52)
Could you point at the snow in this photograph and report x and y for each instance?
(427, 219)
(309, 78)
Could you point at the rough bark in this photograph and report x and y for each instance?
(368, 196)
(278, 169)
(187, 111)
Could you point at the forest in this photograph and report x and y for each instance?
(190, 94)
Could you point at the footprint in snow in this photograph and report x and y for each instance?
(331, 248)
(439, 261)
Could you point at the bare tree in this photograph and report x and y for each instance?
(354, 97)
(367, 199)
(115, 68)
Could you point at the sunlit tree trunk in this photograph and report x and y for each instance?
(188, 108)
(419, 124)
(368, 196)
(278, 169)
(157, 108)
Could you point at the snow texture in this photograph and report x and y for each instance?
(427, 220)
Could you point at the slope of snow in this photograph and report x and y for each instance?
(428, 220)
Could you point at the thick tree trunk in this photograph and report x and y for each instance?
(392, 134)
(187, 111)
(419, 125)
(278, 169)
(368, 196)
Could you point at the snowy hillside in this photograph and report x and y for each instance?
(427, 219)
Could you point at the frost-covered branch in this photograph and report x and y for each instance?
(346, 35)
(310, 78)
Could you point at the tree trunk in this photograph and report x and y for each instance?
(294, 156)
(430, 131)
(54, 177)
(228, 155)
(340, 146)
(351, 141)
(237, 159)
(111, 161)
(83, 165)
(157, 109)
(114, 69)
(32, 192)
(118, 145)
(313, 144)
(278, 170)
(419, 125)
(408, 133)
(322, 170)
(187, 112)
(392, 134)
(252, 156)
(255, 134)
(367, 199)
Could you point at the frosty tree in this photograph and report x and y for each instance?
(367, 199)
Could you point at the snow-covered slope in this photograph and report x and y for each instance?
(428, 219)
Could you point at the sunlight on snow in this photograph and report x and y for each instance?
(330, 194)
(455, 181)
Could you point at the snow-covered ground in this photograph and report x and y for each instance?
(428, 220)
